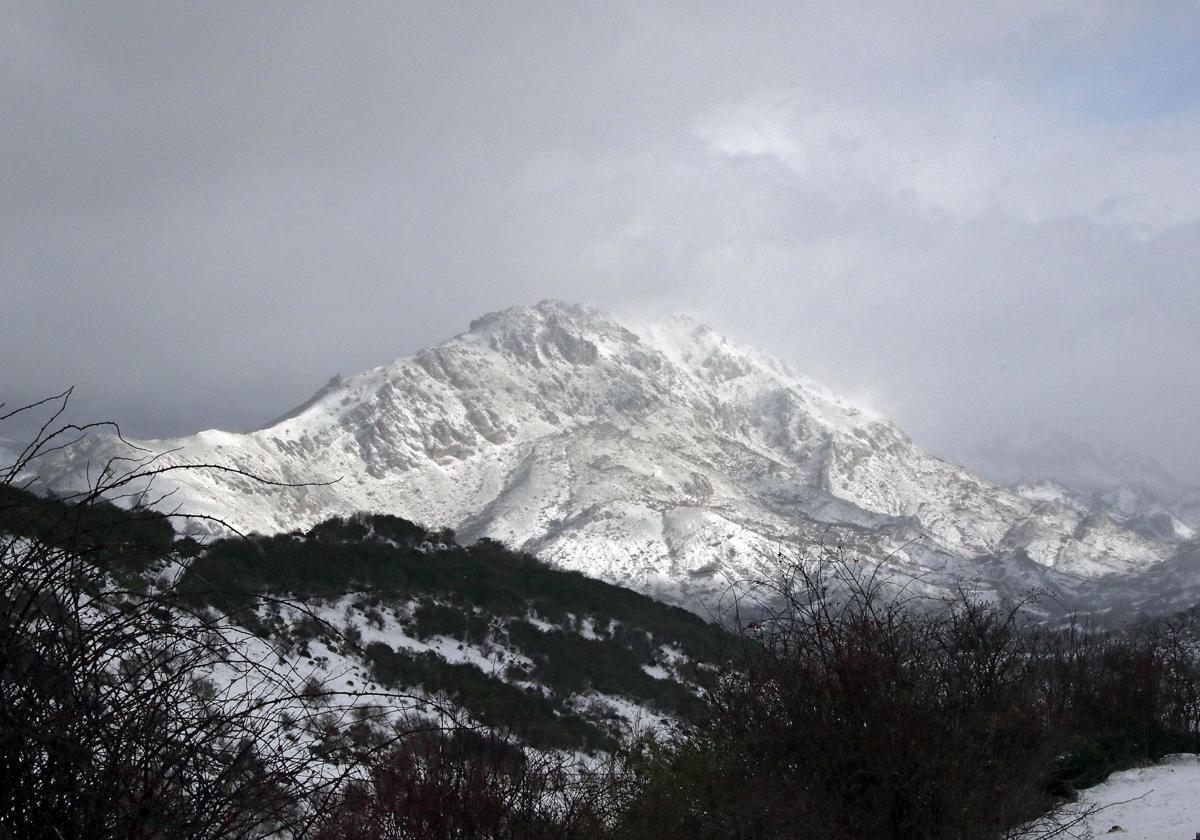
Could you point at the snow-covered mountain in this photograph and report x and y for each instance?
(661, 456)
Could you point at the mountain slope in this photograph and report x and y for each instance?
(377, 614)
(561, 660)
(659, 456)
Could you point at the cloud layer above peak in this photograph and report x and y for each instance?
(970, 214)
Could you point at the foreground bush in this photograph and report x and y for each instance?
(470, 786)
(109, 725)
(856, 712)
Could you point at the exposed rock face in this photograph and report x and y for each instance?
(660, 456)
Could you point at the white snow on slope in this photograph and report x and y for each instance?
(660, 456)
(1161, 802)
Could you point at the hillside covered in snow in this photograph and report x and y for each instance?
(660, 456)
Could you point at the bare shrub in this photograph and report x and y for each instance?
(855, 710)
(470, 785)
(126, 710)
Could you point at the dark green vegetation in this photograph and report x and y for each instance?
(428, 586)
(122, 540)
(387, 557)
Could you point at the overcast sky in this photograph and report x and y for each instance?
(969, 215)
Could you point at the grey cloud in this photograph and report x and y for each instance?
(208, 209)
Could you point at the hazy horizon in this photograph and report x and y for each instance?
(968, 217)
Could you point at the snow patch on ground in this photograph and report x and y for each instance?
(1161, 802)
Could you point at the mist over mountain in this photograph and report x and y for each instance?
(1100, 472)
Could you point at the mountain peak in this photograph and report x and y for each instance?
(546, 310)
(658, 454)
